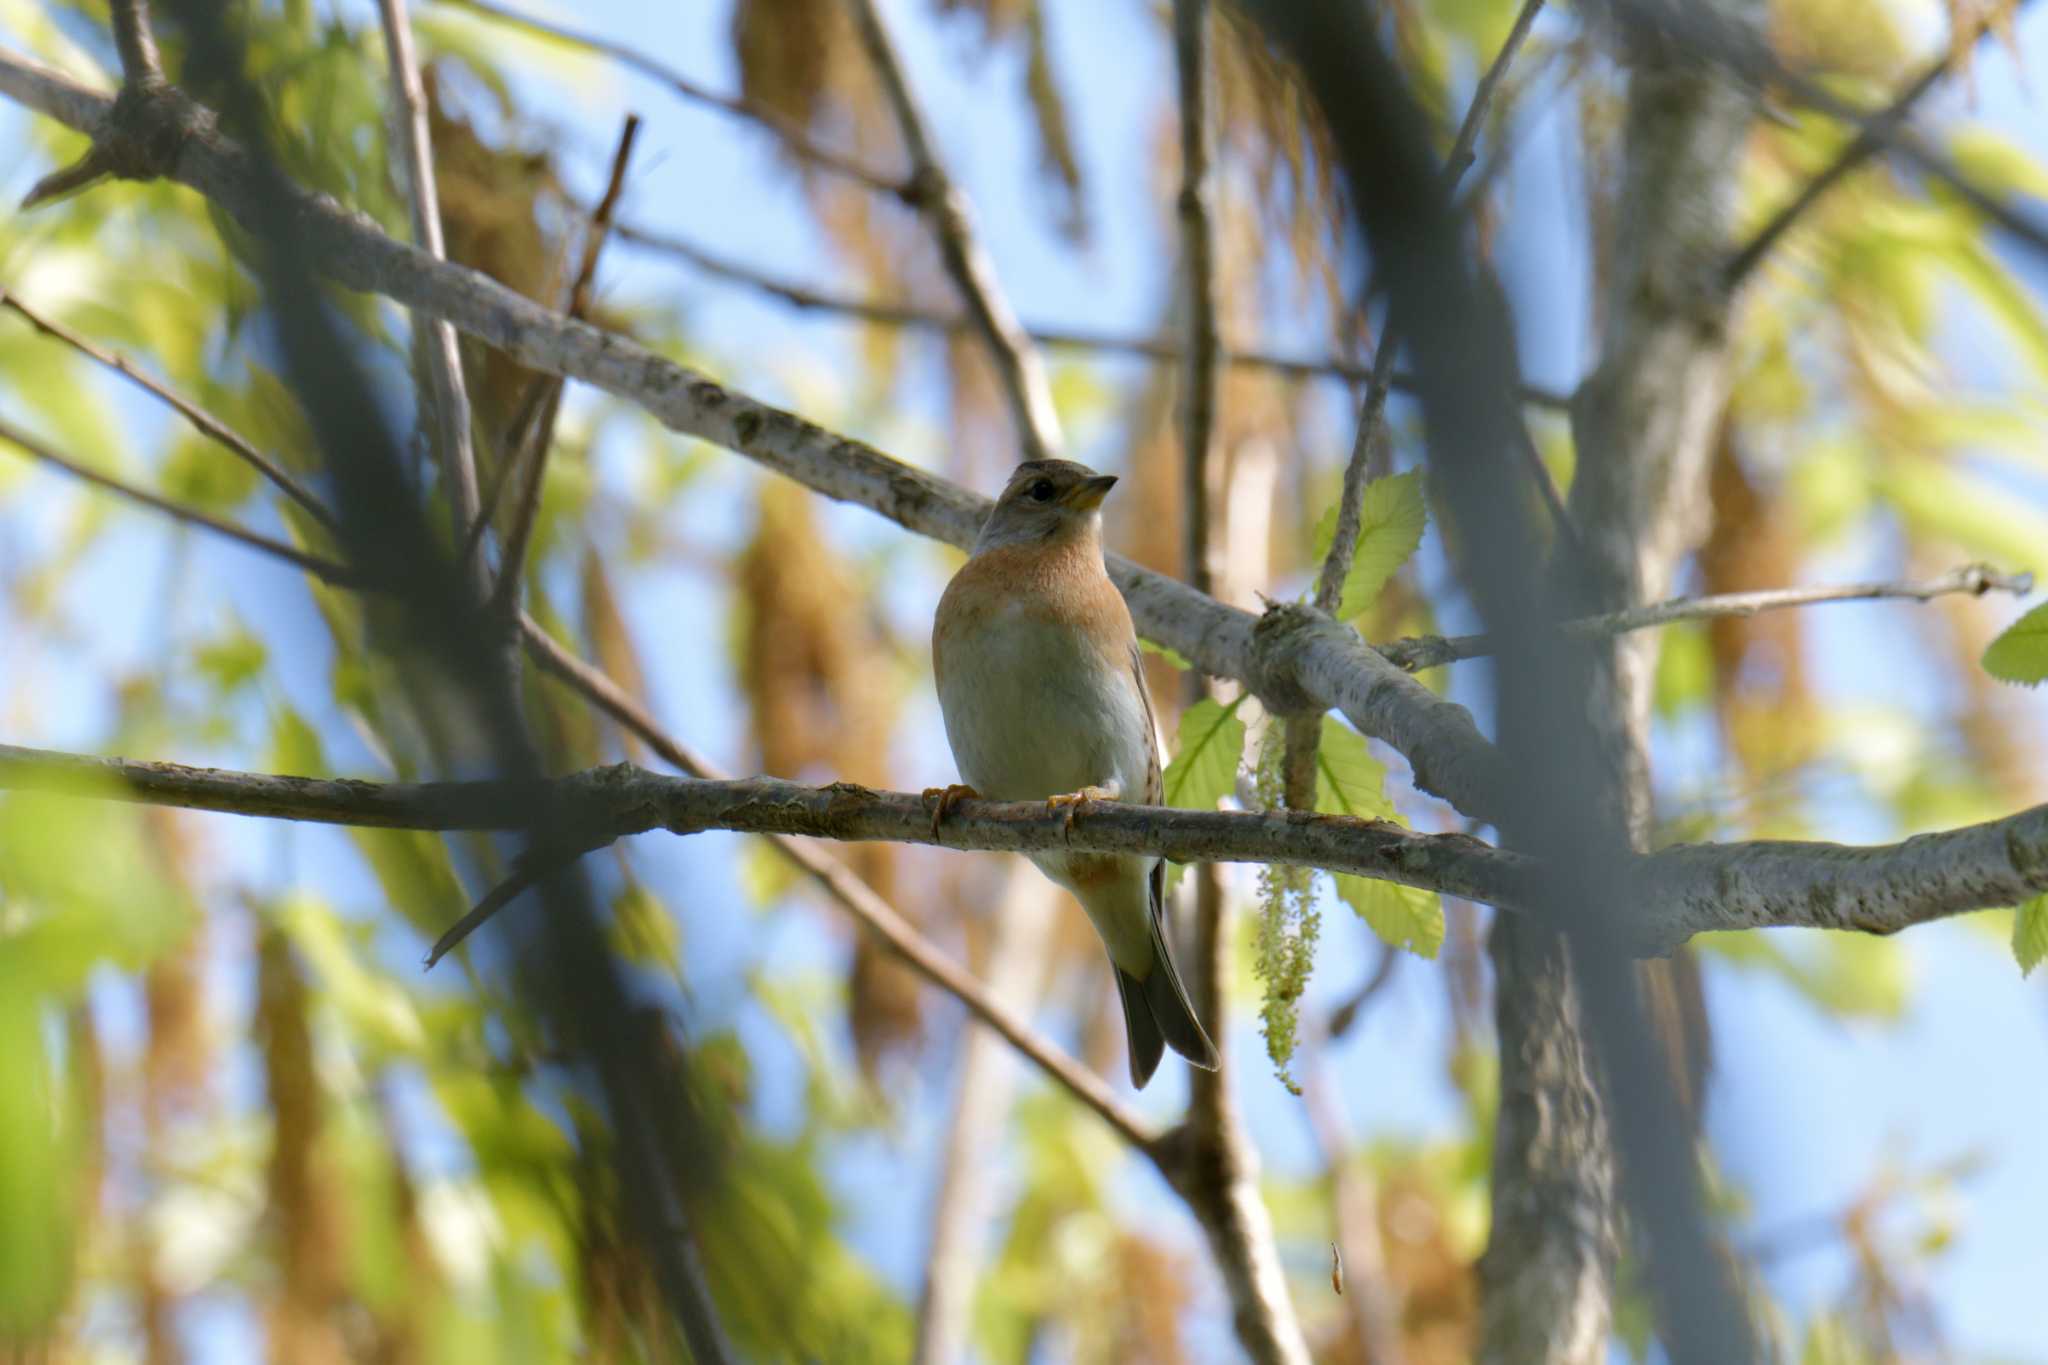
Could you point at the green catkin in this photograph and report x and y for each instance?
(1288, 925)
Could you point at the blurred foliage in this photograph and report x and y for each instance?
(226, 1088)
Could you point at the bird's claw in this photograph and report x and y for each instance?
(1071, 803)
(945, 799)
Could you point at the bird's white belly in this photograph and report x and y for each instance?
(1033, 711)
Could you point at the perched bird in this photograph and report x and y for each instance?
(1039, 678)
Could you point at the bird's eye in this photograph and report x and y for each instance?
(1042, 491)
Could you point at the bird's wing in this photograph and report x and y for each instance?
(1155, 779)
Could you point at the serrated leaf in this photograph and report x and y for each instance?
(2030, 933)
(1349, 780)
(1204, 767)
(1391, 517)
(1403, 916)
(2020, 653)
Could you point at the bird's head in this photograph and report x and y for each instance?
(1047, 501)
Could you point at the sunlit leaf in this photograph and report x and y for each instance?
(1204, 767)
(1391, 518)
(2030, 933)
(1403, 916)
(2020, 653)
(1349, 780)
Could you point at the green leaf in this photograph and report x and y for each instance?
(2020, 654)
(231, 661)
(1390, 520)
(1204, 767)
(1403, 916)
(1349, 780)
(1172, 656)
(2030, 933)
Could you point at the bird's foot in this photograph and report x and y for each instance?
(943, 799)
(1072, 803)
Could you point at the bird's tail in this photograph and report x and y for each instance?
(1158, 1015)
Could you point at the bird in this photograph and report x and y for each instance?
(1040, 684)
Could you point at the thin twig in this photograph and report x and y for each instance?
(1302, 734)
(204, 422)
(882, 313)
(439, 353)
(140, 60)
(1198, 277)
(535, 438)
(1974, 580)
(327, 570)
(796, 139)
(1748, 57)
(1867, 143)
(946, 212)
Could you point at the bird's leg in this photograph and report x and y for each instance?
(946, 797)
(1072, 802)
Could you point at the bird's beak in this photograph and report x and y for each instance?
(1089, 493)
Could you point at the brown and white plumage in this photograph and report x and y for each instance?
(1040, 682)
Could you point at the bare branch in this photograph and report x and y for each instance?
(140, 60)
(1748, 58)
(1372, 413)
(882, 313)
(536, 437)
(946, 211)
(439, 354)
(1198, 285)
(799, 142)
(852, 894)
(1682, 891)
(327, 570)
(204, 422)
(1974, 580)
(802, 296)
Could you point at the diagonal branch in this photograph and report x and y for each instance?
(326, 570)
(946, 210)
(885, 314)
(204, 422)
(439, 355)
(535, 438)
(798, 142)
(1974, 580)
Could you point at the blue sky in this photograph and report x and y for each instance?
(1804, 1109)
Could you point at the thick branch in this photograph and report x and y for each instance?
(1974, 580)
(1296, 658)
(885, 314)
(1685, 890)
(951, 220)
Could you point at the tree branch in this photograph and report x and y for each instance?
(798, 142)
(853, 895)
(536, 438)
(202, 421)
(1295, 659)
(1432, 651)
(884, 314)
(326, 570)
(1684, 890)
(447, 417)
(951, 220)
(1867, 143)
(140, 60)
